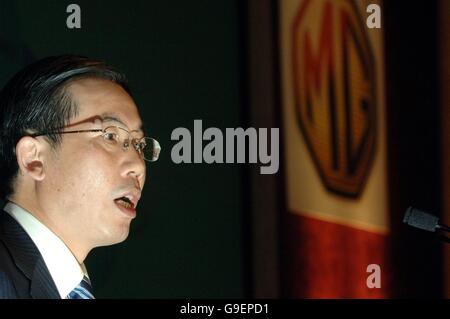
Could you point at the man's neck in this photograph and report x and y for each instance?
(77, 250)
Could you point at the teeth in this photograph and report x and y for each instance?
(124, 203)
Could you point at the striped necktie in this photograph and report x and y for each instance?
(82, 291)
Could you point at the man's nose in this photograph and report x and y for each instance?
(135, 167)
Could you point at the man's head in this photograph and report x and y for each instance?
(71, 181)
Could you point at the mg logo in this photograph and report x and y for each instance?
(334, 84)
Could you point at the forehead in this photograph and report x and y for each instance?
(106, 99)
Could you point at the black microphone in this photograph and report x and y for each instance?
(417, 218)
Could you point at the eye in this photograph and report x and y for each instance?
(111, 137)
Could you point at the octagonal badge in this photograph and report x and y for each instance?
(335, 92)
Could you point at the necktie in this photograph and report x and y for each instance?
(82, 291)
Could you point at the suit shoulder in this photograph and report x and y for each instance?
(7, 289)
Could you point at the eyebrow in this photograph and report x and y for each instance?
(112, 117)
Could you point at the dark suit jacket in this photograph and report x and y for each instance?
(23, 273)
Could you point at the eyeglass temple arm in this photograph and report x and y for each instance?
(65, 132)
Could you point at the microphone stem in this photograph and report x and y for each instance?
(443, 227)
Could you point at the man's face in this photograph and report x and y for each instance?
(86, 174)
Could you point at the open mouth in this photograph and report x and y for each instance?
(125, 202)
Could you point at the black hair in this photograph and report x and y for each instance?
(36, 100)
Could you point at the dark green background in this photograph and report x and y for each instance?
(182, 59)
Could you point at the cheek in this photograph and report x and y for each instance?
(96, 167)
(86, 174)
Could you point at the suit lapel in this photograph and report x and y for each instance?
(42, 285)
(27, 258)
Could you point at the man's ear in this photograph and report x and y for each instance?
(30, 157)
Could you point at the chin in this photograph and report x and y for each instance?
(115, 236)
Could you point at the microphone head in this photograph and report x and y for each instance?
(416, 218)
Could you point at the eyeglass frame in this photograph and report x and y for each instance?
(124, 146)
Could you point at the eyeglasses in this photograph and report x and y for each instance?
(148, 148)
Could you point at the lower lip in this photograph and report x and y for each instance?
(130, 212)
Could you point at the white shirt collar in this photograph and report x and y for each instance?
(65, 270)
